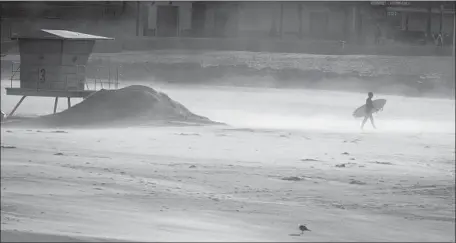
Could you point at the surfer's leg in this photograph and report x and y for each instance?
(364, 121)
(372, 120)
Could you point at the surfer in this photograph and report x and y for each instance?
(369, 110)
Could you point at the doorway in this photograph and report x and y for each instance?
(198, 19)
(167, 21)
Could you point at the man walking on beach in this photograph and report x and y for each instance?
(369, 110)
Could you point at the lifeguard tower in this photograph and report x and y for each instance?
(53, 63)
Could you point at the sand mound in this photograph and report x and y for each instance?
(132, 105)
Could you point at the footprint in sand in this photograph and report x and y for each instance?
(382, 163)
(293, 178)
(187, 134)
(356, 182)
(58, 131)
(8, 147)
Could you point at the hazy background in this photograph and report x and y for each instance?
(249, 48)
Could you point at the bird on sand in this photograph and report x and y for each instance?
(303, 228)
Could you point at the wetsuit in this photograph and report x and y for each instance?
(369, 106)
(369, 110)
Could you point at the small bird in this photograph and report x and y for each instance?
(303, 228)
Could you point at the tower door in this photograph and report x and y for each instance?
(198, 19)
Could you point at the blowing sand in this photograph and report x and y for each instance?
(286, 157)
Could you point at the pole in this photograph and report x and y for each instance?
(281, 21)
(109, 72)
(454, 46)
(454, 30)
(429, 19)
(300, 19)
(55, 104)
(17, 105)
(138, 9)
(441, 19)
(117, 77)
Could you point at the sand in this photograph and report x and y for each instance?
(270, 169)
(106, 170)
(21, 236)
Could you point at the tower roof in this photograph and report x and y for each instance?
(46, 34)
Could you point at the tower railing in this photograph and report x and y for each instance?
(103, 77)
(15, 69)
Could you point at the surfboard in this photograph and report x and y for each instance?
(361, 111)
